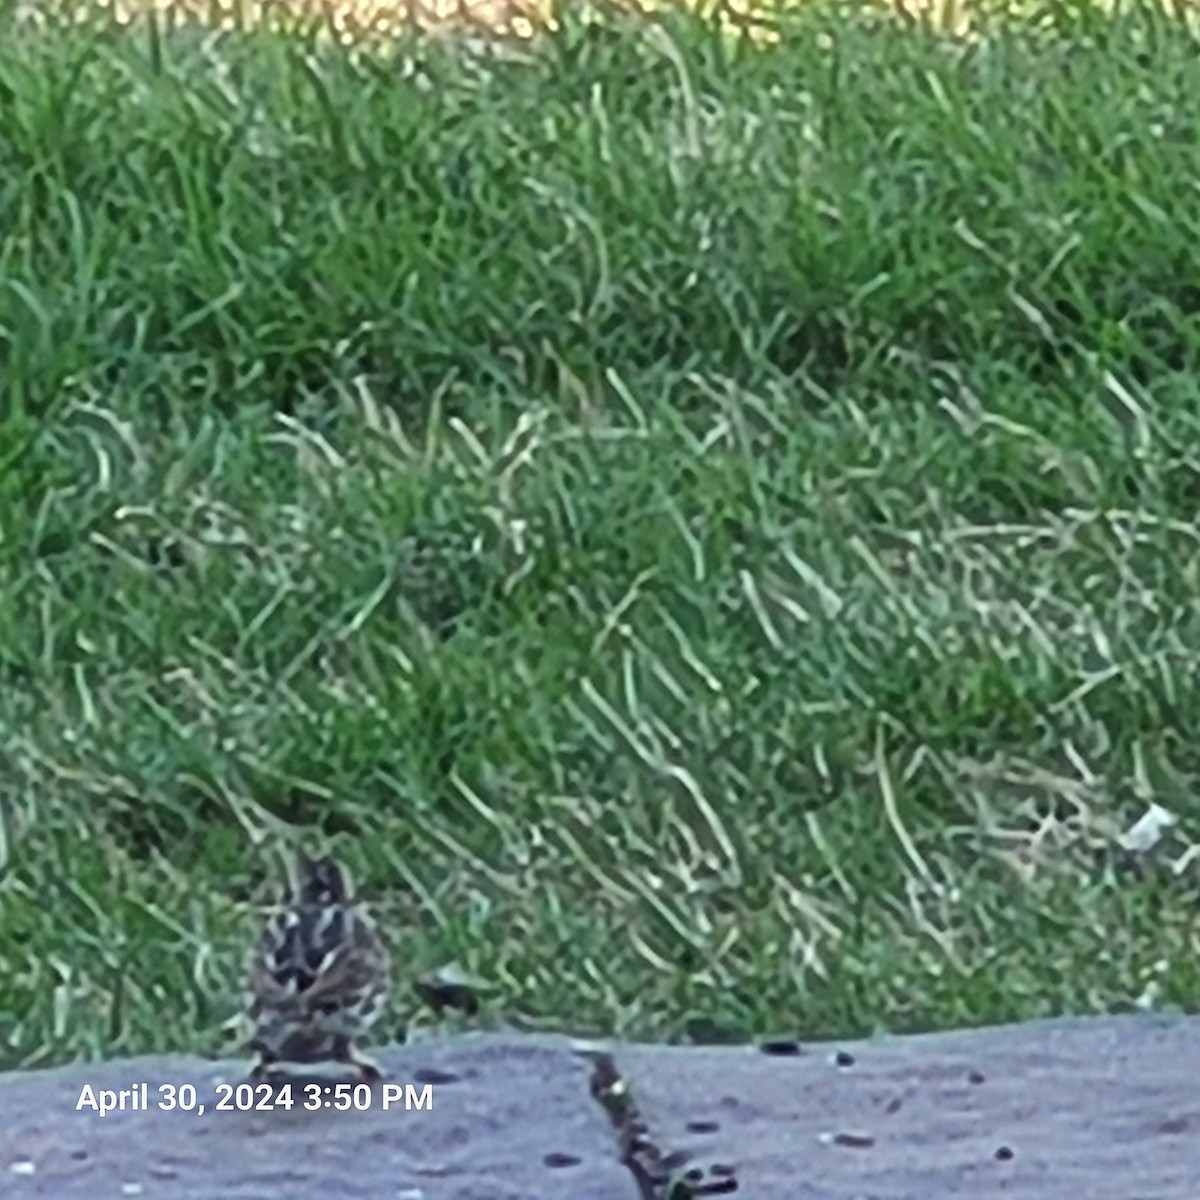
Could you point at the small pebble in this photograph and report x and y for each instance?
(702, 1127)
(433, 1075)
(1004, 1154)
(557, 1159)
(782, 1047)
(23, 1168)
(975, 1076)
(843, 1058)
(854, 1141)
(719, 1187)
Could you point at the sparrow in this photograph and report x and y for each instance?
(318, 976)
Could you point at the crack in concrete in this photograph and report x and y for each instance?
(658, 1174)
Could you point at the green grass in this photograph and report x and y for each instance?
(707, 531)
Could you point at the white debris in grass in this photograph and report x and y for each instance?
(1148, 830)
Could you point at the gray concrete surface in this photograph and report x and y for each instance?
(504, 1111)
(1089, 1109)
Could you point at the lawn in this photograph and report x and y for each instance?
(705, 526)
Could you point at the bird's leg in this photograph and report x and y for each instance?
(266, 1061)
(261, 1072)
(343, 1052)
